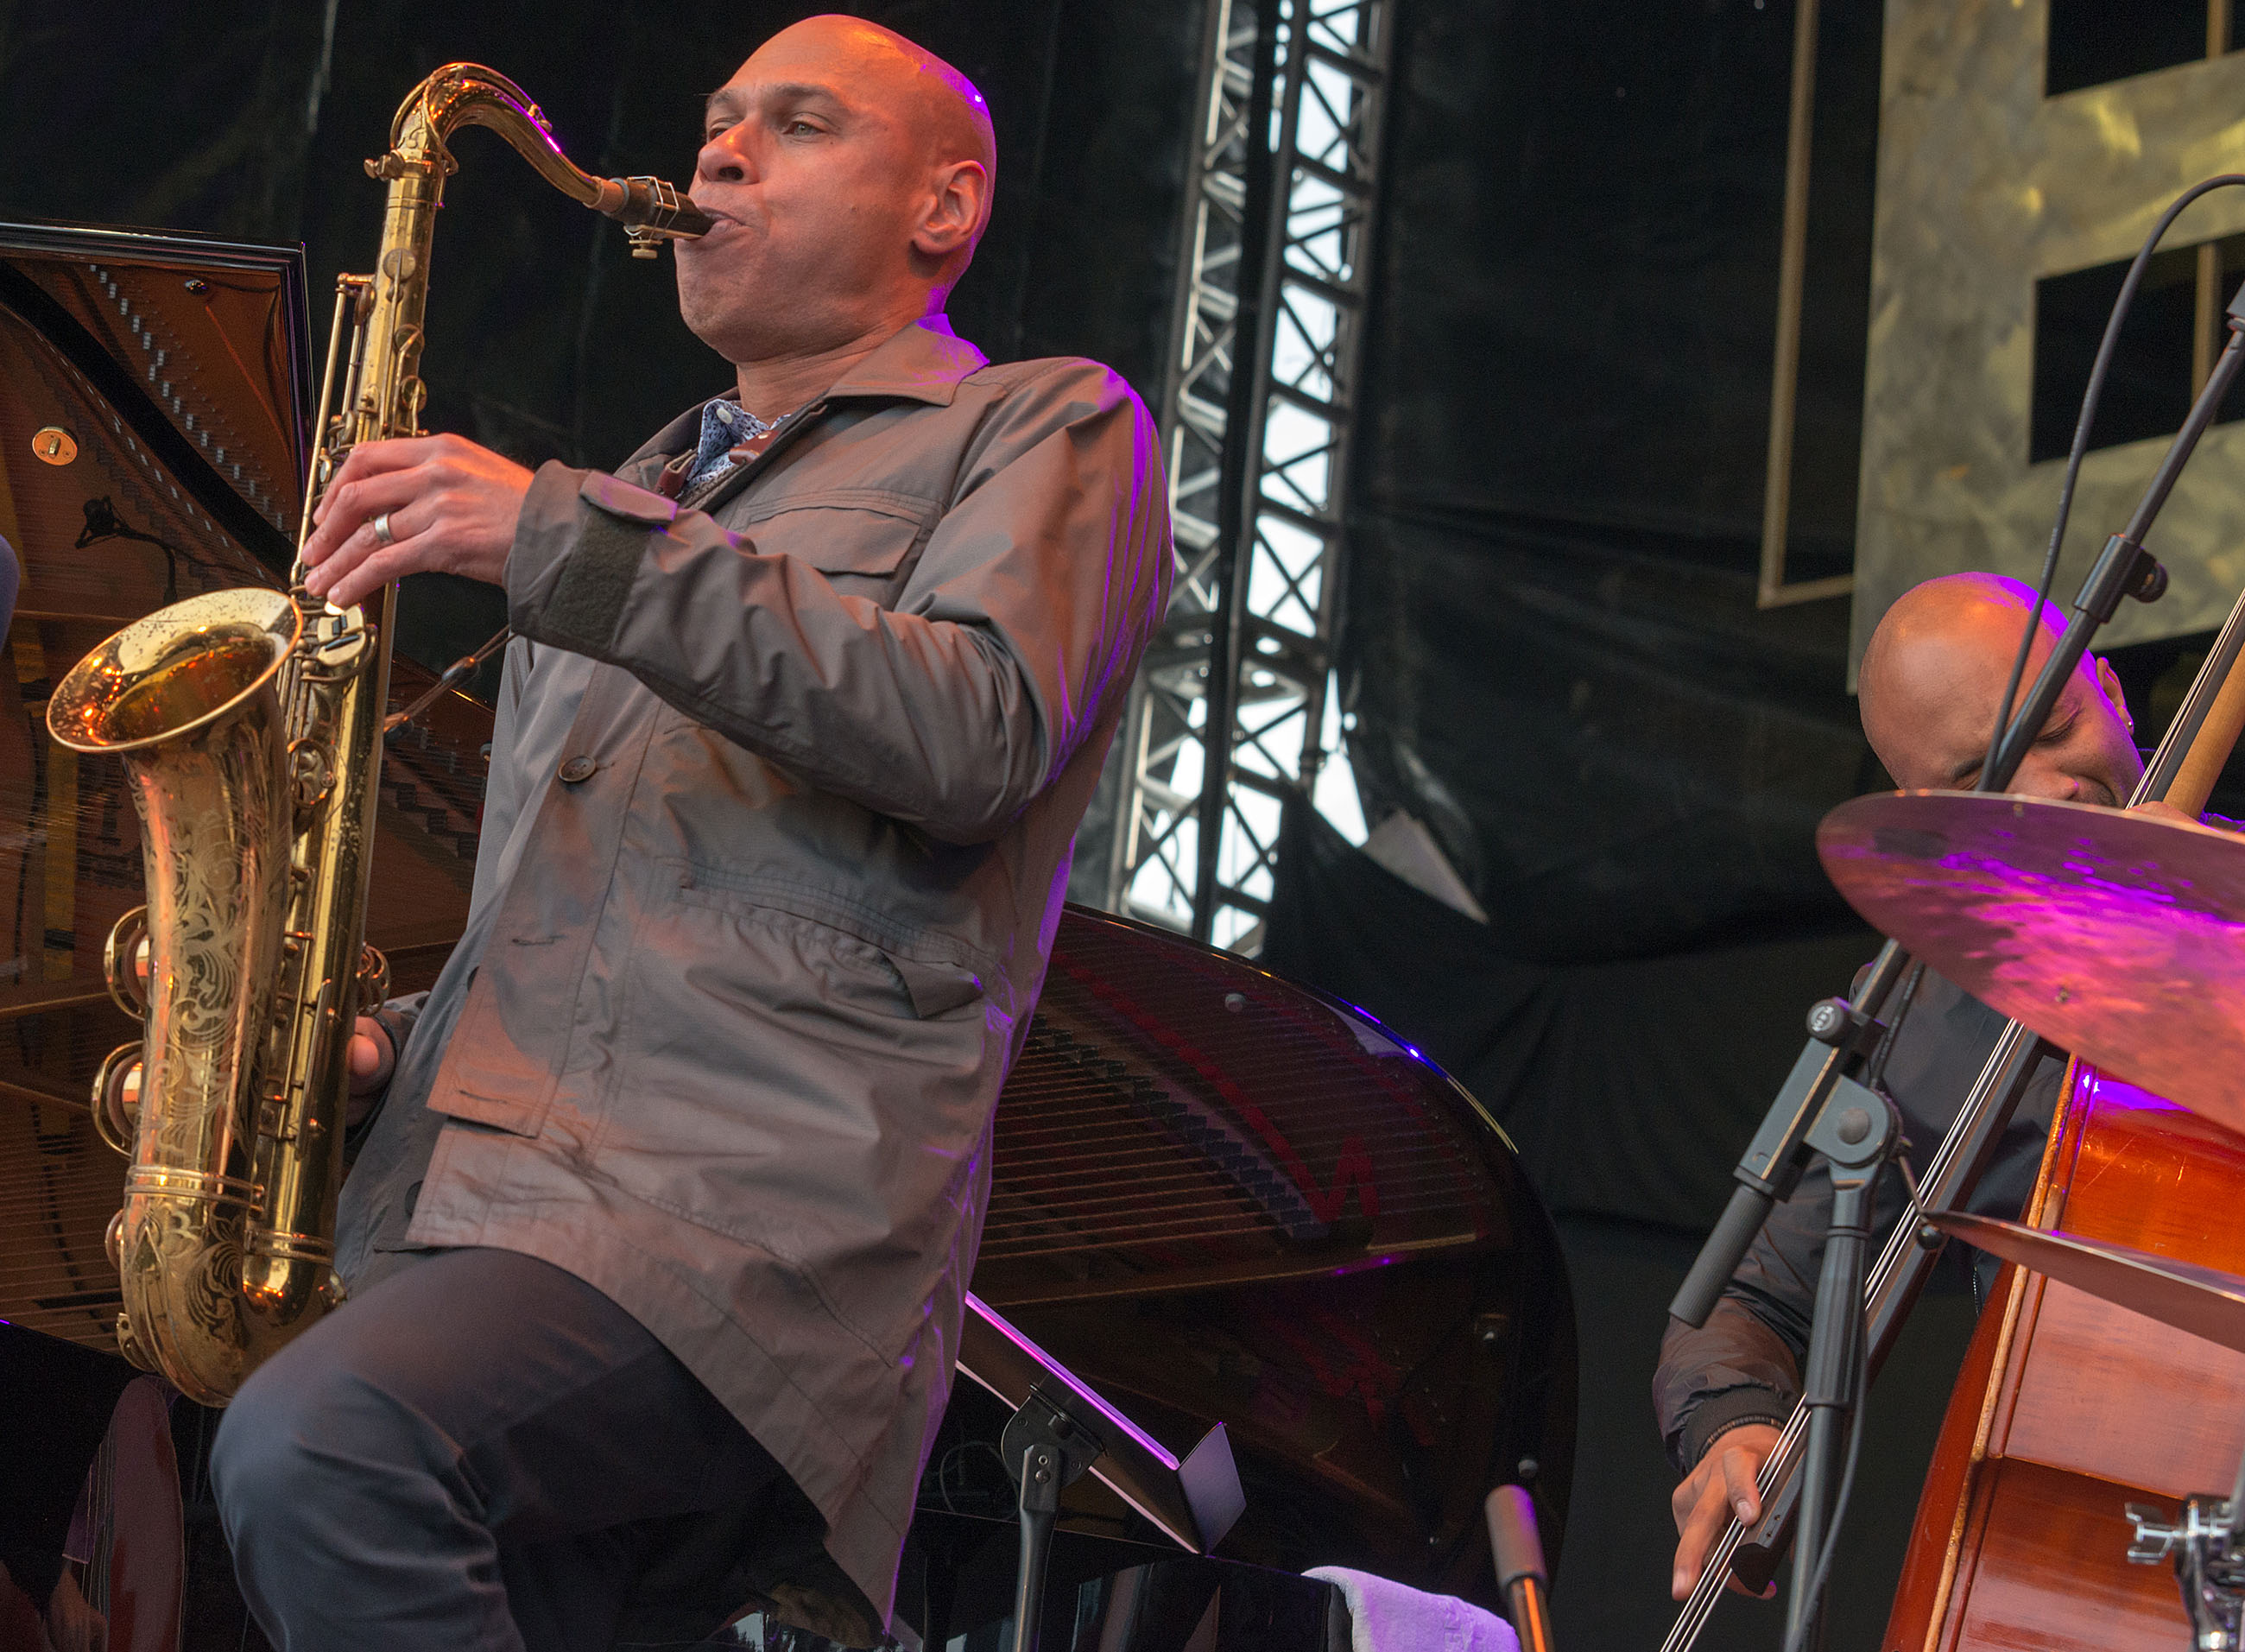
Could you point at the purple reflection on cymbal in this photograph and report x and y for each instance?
(2118, 936)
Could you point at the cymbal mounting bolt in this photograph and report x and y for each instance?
(1854, 1125)
(1828, 1020)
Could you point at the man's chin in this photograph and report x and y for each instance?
(728, 327)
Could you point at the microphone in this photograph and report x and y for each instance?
(1520, 1571)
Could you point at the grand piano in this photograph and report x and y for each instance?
(1219, 1197)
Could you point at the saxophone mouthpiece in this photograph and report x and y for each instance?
(651, 211)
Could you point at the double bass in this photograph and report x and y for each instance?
(2068, 1408)
(2072, 1409)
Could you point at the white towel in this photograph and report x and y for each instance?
(1387, 1616)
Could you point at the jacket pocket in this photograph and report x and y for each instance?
(775, 1084)
(866, 532)
(485, 1076)
(936, 974)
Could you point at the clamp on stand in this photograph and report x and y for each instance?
(1047, 1449)
(2208, 1544)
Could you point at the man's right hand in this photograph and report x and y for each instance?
(1721, 1487)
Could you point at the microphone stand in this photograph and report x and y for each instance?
(1824, 1091)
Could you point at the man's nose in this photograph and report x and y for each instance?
(726, 157)
(2042, 780)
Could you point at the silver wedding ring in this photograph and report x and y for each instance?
(382, 529)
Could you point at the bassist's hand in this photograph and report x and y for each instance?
(1720, 1488)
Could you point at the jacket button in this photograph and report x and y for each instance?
(577, 769)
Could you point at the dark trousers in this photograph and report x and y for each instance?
(481, 1451)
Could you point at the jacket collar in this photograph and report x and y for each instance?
(923, 363)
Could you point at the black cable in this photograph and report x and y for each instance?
(2089, 400)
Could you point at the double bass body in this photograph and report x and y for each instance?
(2068, 1408)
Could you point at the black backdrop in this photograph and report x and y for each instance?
(1551, 653)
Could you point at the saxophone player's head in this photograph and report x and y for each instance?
(850, 173)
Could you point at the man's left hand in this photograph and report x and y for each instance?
(449, 505)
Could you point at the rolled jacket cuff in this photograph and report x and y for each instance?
(1719, 1413)
(578, 546)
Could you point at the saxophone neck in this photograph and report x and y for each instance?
(467, 94)
(382, 394)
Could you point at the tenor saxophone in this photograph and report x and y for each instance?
(250, 725)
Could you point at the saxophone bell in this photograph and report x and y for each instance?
(186, 697)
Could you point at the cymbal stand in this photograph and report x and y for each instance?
(1857, 1138)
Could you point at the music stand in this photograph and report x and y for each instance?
(1060, 1428)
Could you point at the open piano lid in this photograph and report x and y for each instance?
(155, 415)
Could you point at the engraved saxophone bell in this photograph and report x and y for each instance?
(187, 698)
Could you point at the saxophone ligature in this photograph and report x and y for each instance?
(250, 725)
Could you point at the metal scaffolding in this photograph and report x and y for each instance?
(1231, 712)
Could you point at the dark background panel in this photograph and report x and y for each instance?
(2094, 41)
(1579, 265)
(1552, 654)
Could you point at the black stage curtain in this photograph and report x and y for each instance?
(1629, 1085)
(1551, 651)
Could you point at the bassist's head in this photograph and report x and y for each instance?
(1934, 675)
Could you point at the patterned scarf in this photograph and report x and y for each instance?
(730, 436)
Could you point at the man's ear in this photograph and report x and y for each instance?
(957, 207)
(2109, 680)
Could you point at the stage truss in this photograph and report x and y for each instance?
(1234, 708)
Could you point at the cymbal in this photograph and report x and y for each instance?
(2117, 937)
(2203, 1301)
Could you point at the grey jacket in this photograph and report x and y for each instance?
(776, 833)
